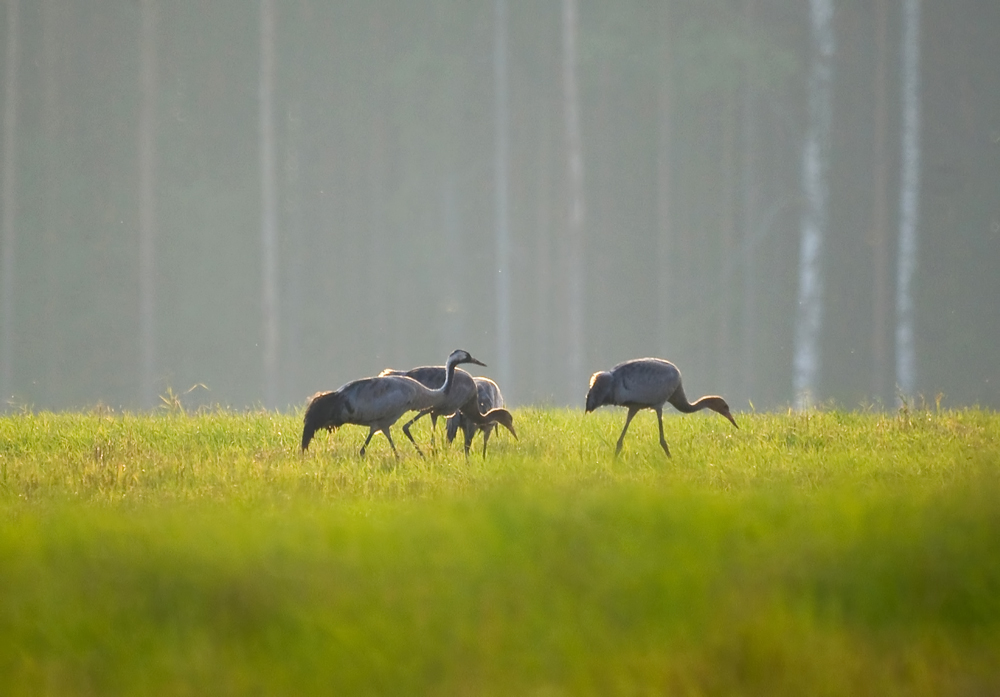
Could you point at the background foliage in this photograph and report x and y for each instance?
(386, 143)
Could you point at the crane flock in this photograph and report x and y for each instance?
(463, 398)
(476, 404)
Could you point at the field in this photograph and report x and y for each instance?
(821, 553)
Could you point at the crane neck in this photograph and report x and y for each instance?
(680, 402)
(449, 377)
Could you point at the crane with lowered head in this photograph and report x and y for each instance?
(647, 383)
(489, 399)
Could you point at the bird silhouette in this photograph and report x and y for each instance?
(464, 397)
(378, 402)
(647, 383)
(489, 399)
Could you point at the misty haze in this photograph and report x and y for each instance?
(797, 203)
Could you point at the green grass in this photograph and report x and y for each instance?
(819, 553)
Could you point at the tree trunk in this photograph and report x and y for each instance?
(269, 206)
(543, 345)
(294, 250)
(379, 294)
(723, 288)
(748, 174)
(602, 249)
(815, 163)
(8, 200)
(501, 183)
(54, 220)
(147, 206)
(574, 338)
(880, 209)
(906, 369)
(453, 280)
(665, 251)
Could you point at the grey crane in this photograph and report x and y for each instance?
(647, 383)
(378, 402)
(464, 397)
(433, 376)
(489, 399)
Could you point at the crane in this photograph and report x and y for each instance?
(378, 402)
(489, 399)
(647, 383)
(464, 397)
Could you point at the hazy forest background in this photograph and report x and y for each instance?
(795, 201)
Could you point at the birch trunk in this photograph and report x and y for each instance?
(748, 175)
(881, 323)
(815, 163)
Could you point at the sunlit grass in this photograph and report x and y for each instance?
(816, 553)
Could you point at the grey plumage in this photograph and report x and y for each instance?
(489, 398)
(463, 398)
(378, 402)
(433, 376)
(647, 383)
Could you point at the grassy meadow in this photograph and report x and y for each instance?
(821, 553)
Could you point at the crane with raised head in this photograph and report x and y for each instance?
(489, 399)
(464, 398)
(378, 402)
(647, 383)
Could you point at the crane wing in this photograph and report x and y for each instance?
(371, 401)
(645, 381)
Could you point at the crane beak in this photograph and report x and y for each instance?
(731, 419)
(477, 362)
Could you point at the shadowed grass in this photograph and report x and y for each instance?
(820, 553)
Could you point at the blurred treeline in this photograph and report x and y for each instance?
(384, 135)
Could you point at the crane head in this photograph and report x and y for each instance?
(599, 393)
(461, 356)
(719, 405)
(504, 418)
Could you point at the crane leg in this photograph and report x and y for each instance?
(628, 419)
(394, 451)
(663, 441)
(406, 427)
(371, 433)
(486, 438)
(406, 430)
(469, 430)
